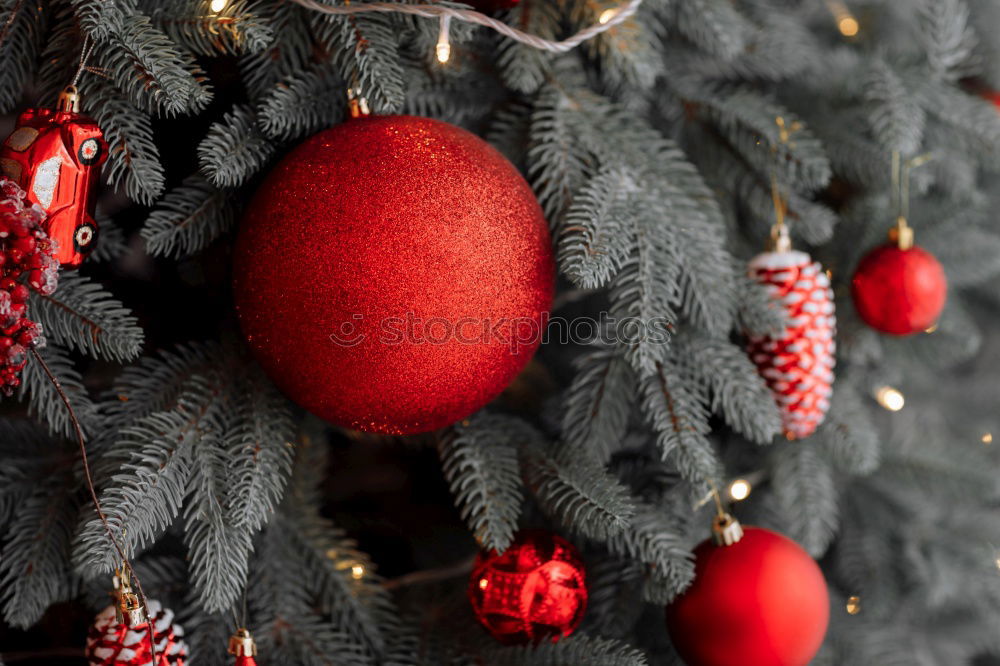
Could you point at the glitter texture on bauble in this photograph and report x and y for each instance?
(393, 274)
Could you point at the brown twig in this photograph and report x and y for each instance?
(78, 430)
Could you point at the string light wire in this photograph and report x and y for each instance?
(471, 16)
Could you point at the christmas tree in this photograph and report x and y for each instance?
(685, 377)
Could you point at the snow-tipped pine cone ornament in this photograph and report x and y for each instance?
(798, 364)
(26, 260)
(114, 643)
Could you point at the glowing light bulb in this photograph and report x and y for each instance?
(483, 583)
(931, 328)
(890, 398)
(854, 605)
(987, 438)
(848, 26)
(606, 16)
(218, 5)
(358, 571)
(739, 489)
(443, 48)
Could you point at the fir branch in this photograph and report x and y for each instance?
(578, 492)
(738, 391)
(44, 402)
(189, 218)
(523, 68)
(99, 18)
(133, 158)
(112, 243)
(149, 69)
(896, 119)
(258, 452)
(680, 420)
(651, 540)
(557, 164)
(301, 104)
(366, 47)
(807, 494)
(237, 29)
(642, 292)
(947, 37)
(219, 550)
(479, 458)
(848, 435)
(713, 25)
(233, 150)
(598, 403)
(24, 27)
(81, 315)
(34, 564)
(595, 239)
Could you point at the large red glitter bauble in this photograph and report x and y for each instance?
(797, 364)
(760, 601)
(899, 291)
(393, 274)
(112, 643)
(536, 589)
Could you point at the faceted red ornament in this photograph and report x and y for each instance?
(393, 274)
(111, 643)
(25, 261)
(535, 590)
(798, 364)
(761, 601)
(899, 291)
(56, 156)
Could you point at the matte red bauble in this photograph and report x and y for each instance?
(113, 643)
(535, 590)
(760, 601)
(899, 291)
(393, 274)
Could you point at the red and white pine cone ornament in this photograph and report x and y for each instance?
(112, 643)
(798, 364)
(26, 260)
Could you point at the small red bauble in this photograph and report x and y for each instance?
(535, 590)
(760, 601)
(56, 156)
(112, 643)
(393, 274)
(798, 364)
(899, 291)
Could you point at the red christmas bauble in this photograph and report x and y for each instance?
(534, 590)
(760, 601)
(899, 291)
(56, 156)
(798, 364)
(112, 643)
(393, 274)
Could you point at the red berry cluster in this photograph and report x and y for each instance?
(26, 259)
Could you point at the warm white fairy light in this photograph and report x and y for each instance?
(606, 16)
(617, 16)
(358, 571)
(739, 489)
(890, 398)
(483, 583)
(987, 438)
(443, 48)
(846, 23)
(853, 605)
(218, 5)
(931, 328)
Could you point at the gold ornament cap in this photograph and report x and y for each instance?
(357, 104)
(901, 234)
(241, 644)
(69, 100)
(726, 530)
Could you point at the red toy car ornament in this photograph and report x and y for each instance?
(56, 157)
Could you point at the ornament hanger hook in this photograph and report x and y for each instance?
(780, 240)
(902, 233)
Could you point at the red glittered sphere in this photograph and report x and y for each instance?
(534, 590)
(899, 291)
(761, 601)
(393, 274)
